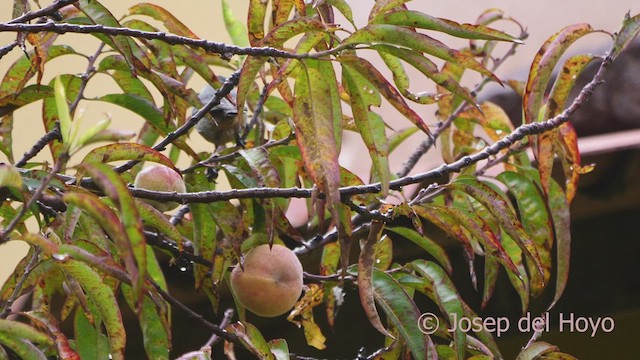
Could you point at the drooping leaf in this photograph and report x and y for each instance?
(402, 312)
(99, 14)
(235, 28)
(116, 189)
(430, 246)
(543, 65)
(371, 128)
(401, 36)
(559, 210)
(535, 220)
(442, 290)
(429, 69)
(90, 343)
(369, 72)
(424, 21)
(365, 277)
(313, 118)
(104, 300)
(500, 209)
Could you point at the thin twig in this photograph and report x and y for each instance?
(226, 320)
(90, 70)
(195, 316)
(45, 11)
(6, 310)
(7, 48)
(256, 113)
(171, 39)
(54, 134)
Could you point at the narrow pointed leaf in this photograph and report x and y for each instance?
(429, 69)
(105, 301)
(365, 275)
(372, 130)
(543, 65)
(559, 209)
(402, 312)
(401, 36)
(424, 21)
(430, 246)
(116, 189)
(367, 70)
(442, 291)
(500, 209)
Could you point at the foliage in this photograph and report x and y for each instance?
(302, 81)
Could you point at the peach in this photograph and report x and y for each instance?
(160, 178)
(271, 281)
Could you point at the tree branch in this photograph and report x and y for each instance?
(45, 11)
(171, 39)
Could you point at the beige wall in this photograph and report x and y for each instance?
(542, 18)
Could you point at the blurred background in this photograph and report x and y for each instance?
(605, 279)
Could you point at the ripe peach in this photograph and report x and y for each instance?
(271, 282)
(160, 178)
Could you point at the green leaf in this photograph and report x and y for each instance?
(313, 117)
(156, 12)
(126, 151)
(378, 82)
(452, 228)
(156, 339)
(628, 32)
(500, 209)
(441, 289)
(430, 246)
(402, 312)
(105, 301)
(536, 221)
(99, 14)
(427, 68)
(13, 329)
(559, 209)
(543, 65)
(252, 339)
(382, 6)
(255, 21)
(365, 277)
(279, 348)
(23, 69)
(235, 28)
(371, 128)
(116, 189)
(420, 20)
(90, 343)
(404, 37)
(63, 113)
(10, 176)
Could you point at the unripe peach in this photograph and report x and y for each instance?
(271, 282)
(160, 178)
